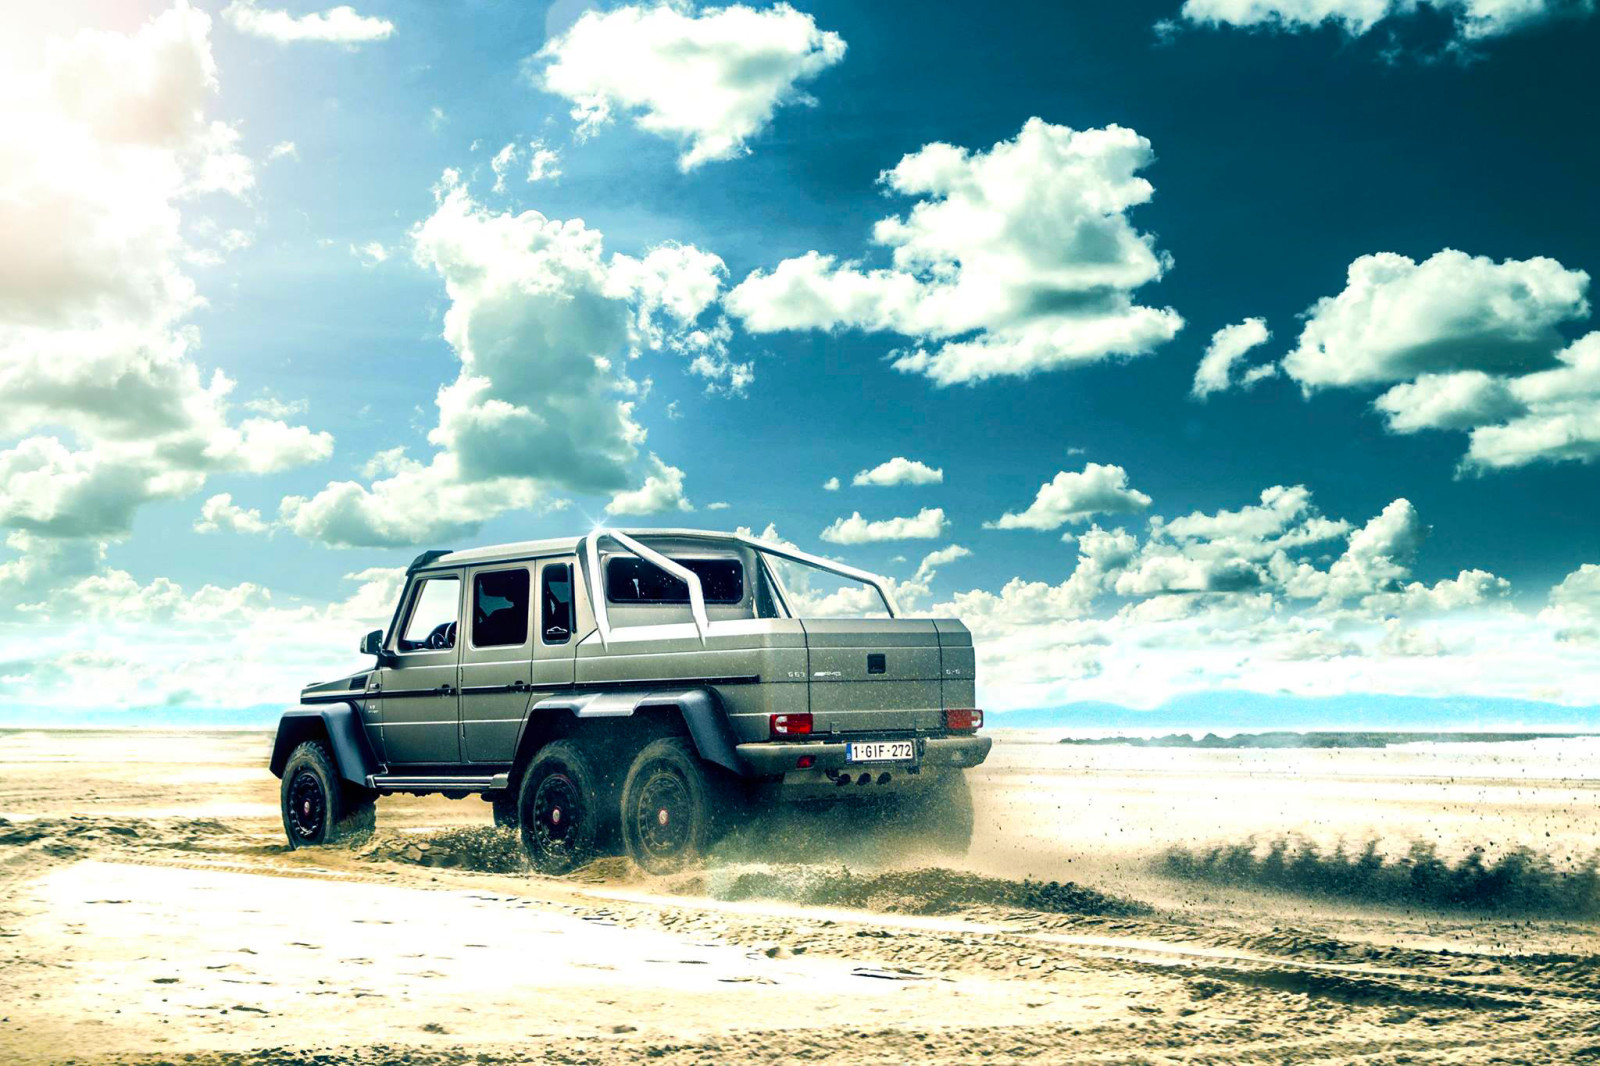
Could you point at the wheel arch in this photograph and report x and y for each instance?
(339, 725)
(697, 709)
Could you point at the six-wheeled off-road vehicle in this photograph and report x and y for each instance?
(648, 689)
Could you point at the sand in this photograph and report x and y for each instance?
(149, 912)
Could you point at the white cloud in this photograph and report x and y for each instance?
(1398, 319)
(544, 162)
(1251, 599)
(1472, 20)
(900, 471)
(339, 25)
(501, 164)
(1027, 245)
(1472, 346)
(283, 150)
(220, 514)
(269, 405)
(1074, 497)
(662, 491)
(831, 485)
(1230, 344)
(1557, 415)
(719, 505)
(543, 324)
(926, 524)
(104, 146)
(371, 253)
(710, 79)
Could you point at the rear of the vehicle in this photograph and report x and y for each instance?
(890, 707)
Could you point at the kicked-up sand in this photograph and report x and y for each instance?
(150, 912)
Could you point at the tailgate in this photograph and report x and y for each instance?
(874, 675)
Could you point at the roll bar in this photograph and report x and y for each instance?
(697, 598)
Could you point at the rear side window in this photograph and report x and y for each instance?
(630, 579)
(556, 599)
(500, 608)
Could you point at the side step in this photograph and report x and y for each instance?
(404, 783)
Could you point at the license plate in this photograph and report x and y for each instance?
(881, 751)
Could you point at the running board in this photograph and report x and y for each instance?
(402, 783)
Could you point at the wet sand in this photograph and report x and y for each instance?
(150, 912)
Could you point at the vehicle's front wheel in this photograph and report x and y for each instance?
(560, 809)
(672, 806)
(318, 807)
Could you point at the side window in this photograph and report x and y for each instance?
(555, 596)
(500, 608)
(432, 623)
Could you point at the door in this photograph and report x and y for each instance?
(421, 712)
(496, 660)
(559, 627)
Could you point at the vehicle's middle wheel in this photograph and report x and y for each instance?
(560, 809)
(670, 806)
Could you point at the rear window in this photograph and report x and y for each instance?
(630, 579)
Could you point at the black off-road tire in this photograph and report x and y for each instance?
(939, 816)
(561, 808)
(675, 805)
(317, 806)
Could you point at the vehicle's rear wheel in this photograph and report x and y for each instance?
(560, 808)
(319, 808)
(673, 806)
(939, 816)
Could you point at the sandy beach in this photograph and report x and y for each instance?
(150, 912)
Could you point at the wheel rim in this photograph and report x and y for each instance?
(557, 814)
(664, 814)
(308, 806)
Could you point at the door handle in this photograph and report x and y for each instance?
(518, 685)
(445, 690)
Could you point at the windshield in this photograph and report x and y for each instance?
(813, 592)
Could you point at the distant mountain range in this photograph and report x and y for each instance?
(1223, 712)
(1234, 711)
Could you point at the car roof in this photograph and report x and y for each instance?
(528, 549)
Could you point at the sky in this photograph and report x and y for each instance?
(1179, 348)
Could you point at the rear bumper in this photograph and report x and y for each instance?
(779, 758)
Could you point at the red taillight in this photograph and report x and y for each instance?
(791, 725)
(806, 762)
(963, 719)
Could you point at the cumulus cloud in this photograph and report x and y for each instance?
(105, 145)
(1398, 319)
(1271, 596)
(543, 324)
(710, 79)
(1229, 345)
(926, 524)
(1015, 260)
(662, 491)
(339, 25)
(900, 471)
(1465, 344)
(220, 514)
(831, 485)
(1471, 20)
(1075, 496)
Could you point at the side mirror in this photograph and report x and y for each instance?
(372, 643)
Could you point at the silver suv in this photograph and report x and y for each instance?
(649, 688)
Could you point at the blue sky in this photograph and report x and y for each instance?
(1080, 196)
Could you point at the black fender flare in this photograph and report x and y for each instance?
(701, 711)
(337, 723)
